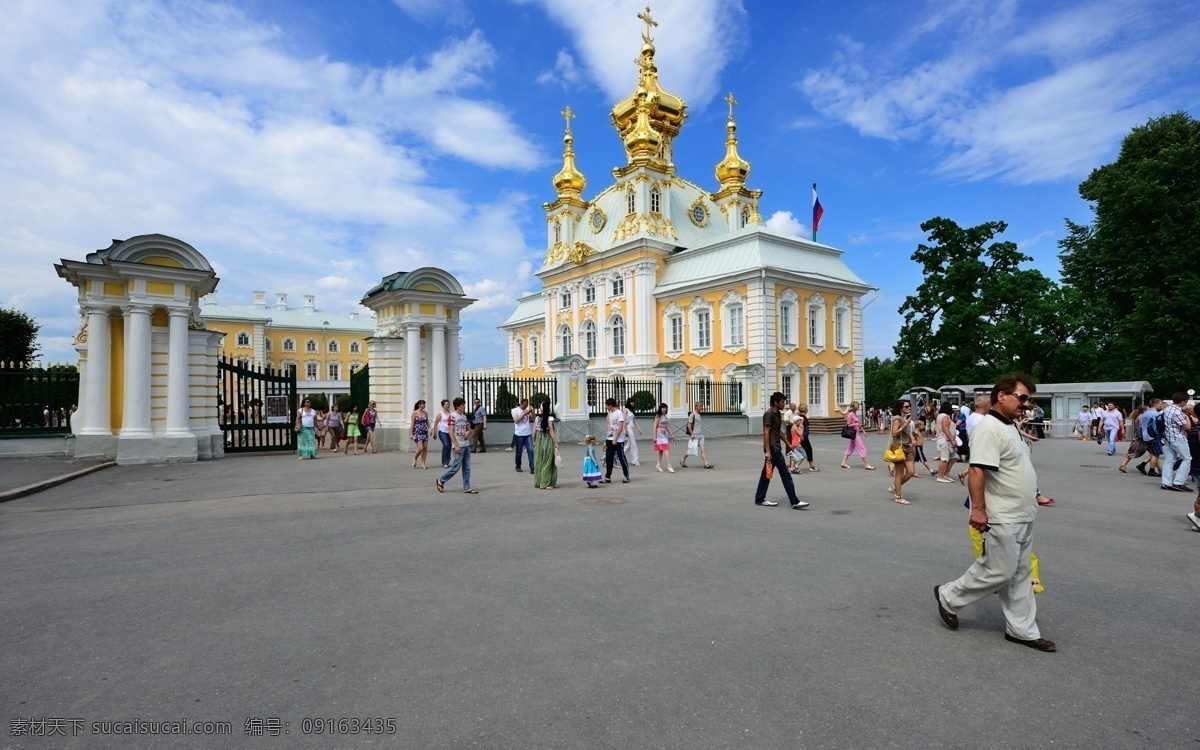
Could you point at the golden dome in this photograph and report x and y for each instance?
(569, 181)
(733, 170)
(664, 112)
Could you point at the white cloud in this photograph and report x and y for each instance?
(1033, 241)
(565, 72)
(289, 171)
(1008, 94)
(693, 42)
(784, 223)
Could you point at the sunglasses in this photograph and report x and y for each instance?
(1022, 397)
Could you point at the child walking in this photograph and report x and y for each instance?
(919, 448)
(591, 467)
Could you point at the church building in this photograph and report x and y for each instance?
(655, 274)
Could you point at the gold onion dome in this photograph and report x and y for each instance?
(733, 169)
(569, 181)
(649, 117)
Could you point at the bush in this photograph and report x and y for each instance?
(319, 402)
(644, 402)
(506, 400)
(536, 402)
(343, 404)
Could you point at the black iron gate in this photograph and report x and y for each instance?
(360, 387)
(257, 408)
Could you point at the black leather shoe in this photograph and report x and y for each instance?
(950, 620)
(1041, 644)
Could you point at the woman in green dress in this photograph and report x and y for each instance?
(545, 450)
(306, 442)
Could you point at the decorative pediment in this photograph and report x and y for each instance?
(816, 300)
(732, 297)
(843, 302)
(788, 295)
(699, 303)
(672, 308)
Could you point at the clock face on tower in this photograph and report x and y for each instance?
(597, 220)
(699, 214)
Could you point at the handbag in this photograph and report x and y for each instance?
(894, 455)
(558, 459)
(849, 432)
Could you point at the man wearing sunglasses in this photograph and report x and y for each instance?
(1003, 488)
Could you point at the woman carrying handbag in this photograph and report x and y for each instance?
(900, 451)
(853, 432)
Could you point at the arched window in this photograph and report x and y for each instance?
(557, 232)
(589, 293)
(310, 346)
(588, 334)
(616, 334)
(355, 347)
(334, 347)
(243, 338)
(655, 201)
(564, 341)
(533, 349)
(745, 215)
(519, 355)
(618, 286)
(630, 202)
(289, 345)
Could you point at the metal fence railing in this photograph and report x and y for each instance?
(721, 397)
(500, 394)
(646, 394)
(37, 400)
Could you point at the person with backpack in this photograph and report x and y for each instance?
(695, 432)
(1152, 436)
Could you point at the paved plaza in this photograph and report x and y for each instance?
(666, 613)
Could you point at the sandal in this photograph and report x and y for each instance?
(902, 501)
(869, 468)
(1122, 470)
(1048, 500)
(813, 468)
(844, 466)
(441, 487)
(470, 492)
(709, 466)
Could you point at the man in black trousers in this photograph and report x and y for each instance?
(773, 456)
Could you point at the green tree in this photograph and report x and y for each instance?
(884, 381)
(978, 314)
(18, 336)
(1136, 263)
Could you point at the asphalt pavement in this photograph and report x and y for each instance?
(282, 596)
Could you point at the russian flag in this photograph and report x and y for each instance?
(818, 211)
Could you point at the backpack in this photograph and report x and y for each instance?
(1156, 427)
(687, 427)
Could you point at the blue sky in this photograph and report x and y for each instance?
(313, 147)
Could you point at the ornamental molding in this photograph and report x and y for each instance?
(589, 315)
(818, 369)
(557, 252)
(672, 308)
(640, 222)
(816, 300)
(698, 304)
(843, 302)
(788, 295)
(732, 297)
(579, 255)
(645, 268)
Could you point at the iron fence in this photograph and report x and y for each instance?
(37, 400)
(646, 394)
(500, 394)
(723, 397)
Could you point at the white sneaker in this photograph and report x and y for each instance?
(944, 481)
(1195, 521)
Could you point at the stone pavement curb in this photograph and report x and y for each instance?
(45, 484)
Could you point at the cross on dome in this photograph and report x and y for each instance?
(649, 23)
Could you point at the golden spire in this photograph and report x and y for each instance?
(733, 169)
(570, 181)
(663, 113)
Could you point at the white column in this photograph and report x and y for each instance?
(437, 364)
(647, 321)
(135, 415)
(97, 408)
(178, 380)
(453, 381)
(412, 364)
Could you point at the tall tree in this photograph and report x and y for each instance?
(1136, 263)
(978, 314)
(18, 336)
(884, 381)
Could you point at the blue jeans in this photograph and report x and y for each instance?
(462, 460)
(1172, 450)
(446, 447)
(525, 441)
(1112, 439)
(784, 476)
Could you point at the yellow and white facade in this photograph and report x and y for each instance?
(657, 276)
(322, 347)
(147, 365)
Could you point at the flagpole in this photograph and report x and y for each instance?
(814, 226)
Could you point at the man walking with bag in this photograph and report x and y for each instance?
(773, 461)
(1003, 486)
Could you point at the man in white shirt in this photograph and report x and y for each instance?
(1003, 487)
(522, 416)
(614, 441)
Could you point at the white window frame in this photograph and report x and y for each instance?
(564, 299)
(289, 344)
(310, 346)
(675, 334)
(534, 353)
(655, 201)
(616, 335)
(587, 335)
(334, 370)
(617, 284)
(267, 345)
(745, 216)
(589, 294)
(243, 339)
(815, 335)
(355, 348)
(518, 354)
(564, 340)
(840, 380)
(733, 321)
(630, 202)
(703, 329)
(557, 232)
(842, 322)
(334, 347)
(312, 369)
(789, 320)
